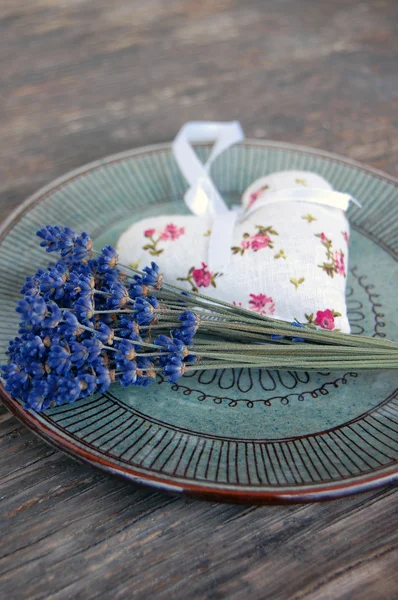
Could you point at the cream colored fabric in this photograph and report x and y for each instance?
(288, 258)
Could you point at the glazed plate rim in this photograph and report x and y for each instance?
(173, 484)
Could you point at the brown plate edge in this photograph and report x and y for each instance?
(199, 490)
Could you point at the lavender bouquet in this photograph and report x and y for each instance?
(87, 322)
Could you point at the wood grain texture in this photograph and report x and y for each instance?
(80, 79)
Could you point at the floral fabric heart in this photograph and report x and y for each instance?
(288, 259)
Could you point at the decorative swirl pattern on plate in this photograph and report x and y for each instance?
(284, 400)
(373, 298)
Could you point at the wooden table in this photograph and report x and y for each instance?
(80, 79)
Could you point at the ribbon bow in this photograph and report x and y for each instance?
(204, 200)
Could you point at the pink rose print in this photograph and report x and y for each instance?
(339, 263)
(200, 277)
(324, 318)
(171, 232)
(259, 241)
(256, 241)
(345, 236)
(262, 304)
(334, 263)
(255, 195)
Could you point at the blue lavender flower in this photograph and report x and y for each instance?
(82, 249)
(87, 383)
(57, 239)
(59, 359)
(53, 336)
(68, 390)
(107, 260)
(135, 337)
(174, 367)
(137, 289)
(14, 347)
(113, 275)
(125, 349)
(118, 296)
(128, 325)
(36, 369)
(128, 372)
(190, 358)
(79, 354)
(188, 328)
(94, 347)
(32, 283)
(39, 397)
(297, 339)
(103, 381)
(73, 247)
(52, 281)
(31, 346)
(70, 325)
(79, 284)
(276, 337)
(103, 375)
(188, 319)
(53, 316)
(84, 308)
(104, 333)
(33, 309)
(17, 380)
(25, 327)
(185, 334)
(36, 311)
(145, 372)
(109, 278)
(152, 276)
(144, 310)
(130, 332)
(170, 344)
(29, 357)
(88, 268)
(107, 318)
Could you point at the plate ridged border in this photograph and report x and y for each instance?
(377, 475)
(339, 453)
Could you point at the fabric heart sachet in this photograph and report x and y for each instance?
(282, 253)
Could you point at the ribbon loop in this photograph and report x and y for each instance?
(204, 200)
(202, 197)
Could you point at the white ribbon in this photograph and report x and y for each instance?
(202, 197)
(204, 200)
(315, 195)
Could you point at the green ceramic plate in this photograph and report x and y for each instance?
(240, 435)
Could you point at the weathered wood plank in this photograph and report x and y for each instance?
(83, 79)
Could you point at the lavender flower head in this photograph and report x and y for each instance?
(80, 326)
